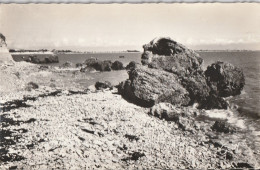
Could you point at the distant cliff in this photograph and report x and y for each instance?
(5, 56)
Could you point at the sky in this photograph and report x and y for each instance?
(115, 27)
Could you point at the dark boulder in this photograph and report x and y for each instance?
(147, 87)
(117, 65)
(103, 65)
(131, 65)
(225, 79)
(103, 85)
(223, 126)
(171, 56)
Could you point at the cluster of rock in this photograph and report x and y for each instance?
(173, 73)
(46, 60)
(98, 65)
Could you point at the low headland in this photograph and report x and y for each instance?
(169, 114)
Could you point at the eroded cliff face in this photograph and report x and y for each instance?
(5, 56)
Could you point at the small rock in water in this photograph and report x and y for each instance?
(117, 65)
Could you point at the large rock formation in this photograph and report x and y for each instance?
(5, 56)
(175, 75)
(147, 86)
(167, 54)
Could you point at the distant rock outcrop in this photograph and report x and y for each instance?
(39, 60)
(5, 56)
(173, 73)
(117, 65)
(98, 64)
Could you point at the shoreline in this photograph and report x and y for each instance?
(51, 126)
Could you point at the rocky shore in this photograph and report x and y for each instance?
(49, 121)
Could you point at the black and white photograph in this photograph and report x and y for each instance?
(129, 86)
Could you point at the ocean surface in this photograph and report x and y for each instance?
(247, 105)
